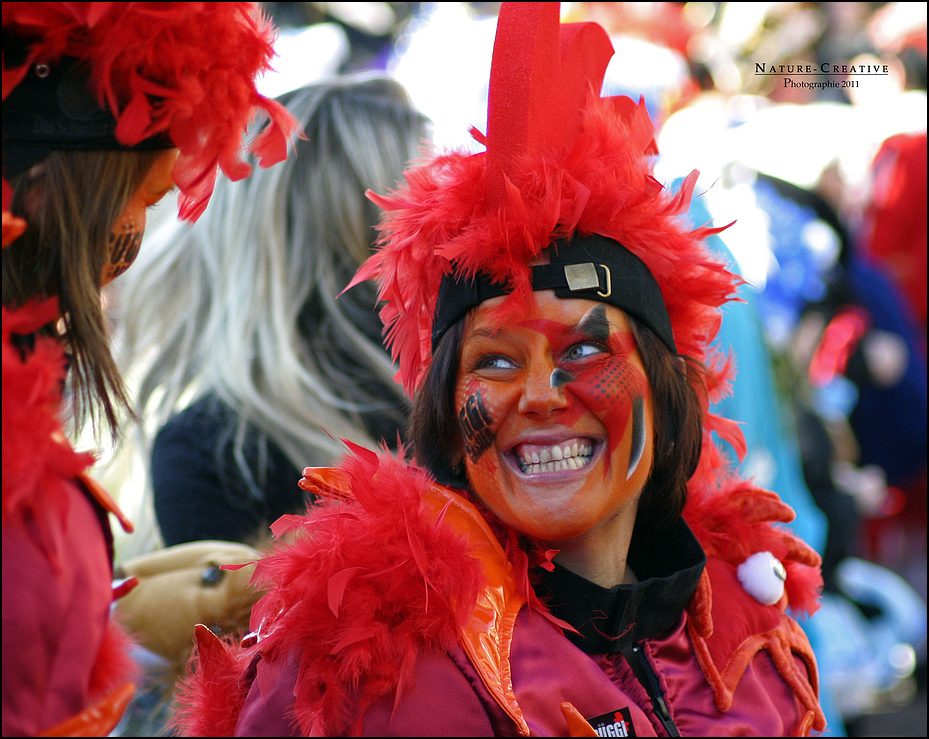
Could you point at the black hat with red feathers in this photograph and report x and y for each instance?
(103, 76)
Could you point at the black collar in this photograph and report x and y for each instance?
(668, 563)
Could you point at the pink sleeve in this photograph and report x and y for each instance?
(54, 618)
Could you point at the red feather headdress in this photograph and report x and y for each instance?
(560, 162)
(182, 73)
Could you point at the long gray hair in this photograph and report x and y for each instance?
(242, 305)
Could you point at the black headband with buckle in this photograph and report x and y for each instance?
(53, 109)
(591, 267)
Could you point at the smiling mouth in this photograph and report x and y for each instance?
(569, 455)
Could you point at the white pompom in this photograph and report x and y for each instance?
(762, 575)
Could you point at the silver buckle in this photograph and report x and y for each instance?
(584, 277)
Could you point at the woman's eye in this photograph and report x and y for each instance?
(496, 362)
(582, 351)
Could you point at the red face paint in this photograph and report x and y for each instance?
(607, 384)
(545, 411)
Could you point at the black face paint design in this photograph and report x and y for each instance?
(638, 435)
(475, 425)
(596, 325)
(560, 378)
(123, 251)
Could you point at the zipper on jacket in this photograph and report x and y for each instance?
(639, 663)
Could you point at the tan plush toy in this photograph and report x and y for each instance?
(182, 586)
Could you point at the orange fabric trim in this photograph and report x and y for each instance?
(13, 227)
(97, 720)
(782, 642)
(805, 725)
(104, 499)
(577, 724)
(488, 634)
(700, 608)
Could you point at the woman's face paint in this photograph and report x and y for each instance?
(124, 247)
(126, 236)
(555, 415)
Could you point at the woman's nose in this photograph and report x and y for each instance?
(544, 392)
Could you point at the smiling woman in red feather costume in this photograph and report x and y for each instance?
(106, 108)
(568, 555)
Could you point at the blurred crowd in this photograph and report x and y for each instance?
(822, 175)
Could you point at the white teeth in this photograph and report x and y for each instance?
(556, 458)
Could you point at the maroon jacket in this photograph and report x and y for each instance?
(398, 613)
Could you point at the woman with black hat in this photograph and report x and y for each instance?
(106, 107)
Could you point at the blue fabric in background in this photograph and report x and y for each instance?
(891, 423)
(773, 457)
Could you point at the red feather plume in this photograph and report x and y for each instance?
(560, 161)
(737, 519)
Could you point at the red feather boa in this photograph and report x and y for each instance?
(360, 587)
(37, 459)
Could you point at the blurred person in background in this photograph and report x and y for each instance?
(255, 366)
(106, 108)
(894, 233)
(368, 30)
